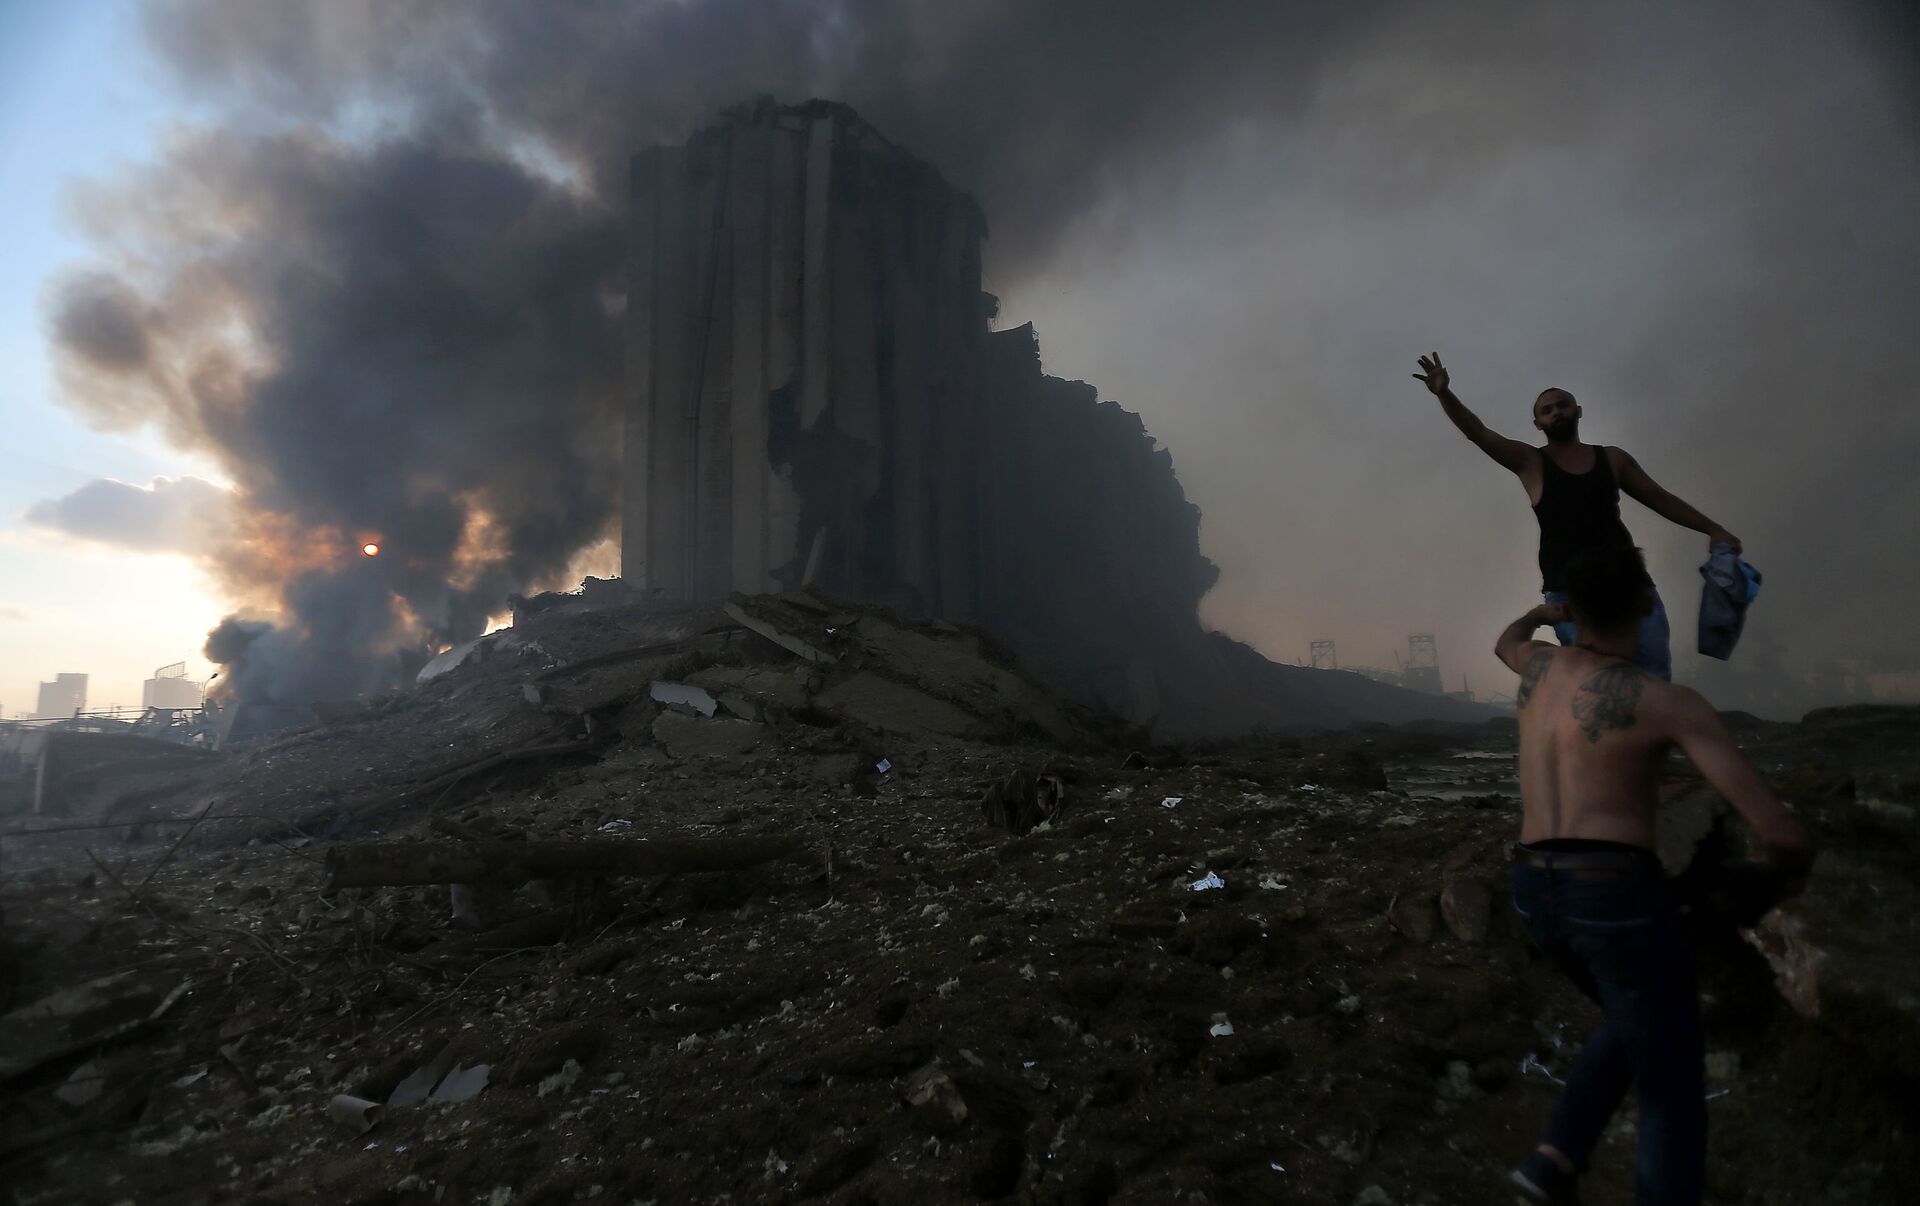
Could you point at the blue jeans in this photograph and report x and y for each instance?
(1654, 654)
(1620, 942)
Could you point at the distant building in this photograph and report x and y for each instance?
(171, 689)
(62, 697)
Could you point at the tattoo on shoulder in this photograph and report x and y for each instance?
(1531, 676)
(1605, 702)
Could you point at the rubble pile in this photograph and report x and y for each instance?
(794, 900)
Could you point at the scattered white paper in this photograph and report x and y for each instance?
(1172, 801)
(1207, 883)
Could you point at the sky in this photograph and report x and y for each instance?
(289, 275)
(75, 100)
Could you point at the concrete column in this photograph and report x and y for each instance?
(675, 256)
(713, 497)
(816, 290)
(854, 404)
(752, 161)
(965, 417)
(786, 221)
(906, 318)
(642, 238)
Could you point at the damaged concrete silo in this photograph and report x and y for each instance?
(815, 394)
(805, 366)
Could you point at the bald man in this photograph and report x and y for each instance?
(1575, 491)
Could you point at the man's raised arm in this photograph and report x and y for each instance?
(1510, 453)
(1516, 646)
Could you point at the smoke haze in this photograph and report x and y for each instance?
(380, 283)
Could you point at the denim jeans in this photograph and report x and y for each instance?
(1654, 654)
(1620, 942)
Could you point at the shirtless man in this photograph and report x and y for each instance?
(1593, 730)
(1575, 491)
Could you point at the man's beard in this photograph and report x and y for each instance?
(1562, 430)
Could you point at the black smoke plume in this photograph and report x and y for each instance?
(381, 283)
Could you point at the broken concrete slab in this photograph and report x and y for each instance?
(682, 695)
(1413, 916)
(80, 1017)
(446, 660)
(610, 686)
(83, 1085)
(692, 737)
(741, 707)
(887, 705)
(958, 667)
(783, 686)
(791, 644)
(80, 774)
(1828, 966)
(1466, 904)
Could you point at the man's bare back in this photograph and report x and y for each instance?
(1593, 730)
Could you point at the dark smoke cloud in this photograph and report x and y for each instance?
(379, 292)
(184, 515)
(378, 287)
(1695, 217)
(1038, 109)
(103, 322)
(408, 344)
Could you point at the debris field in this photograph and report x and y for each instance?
(794, 900)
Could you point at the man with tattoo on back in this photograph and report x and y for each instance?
(1575, 490)
(1593, 730)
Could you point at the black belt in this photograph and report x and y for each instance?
(1587, 860)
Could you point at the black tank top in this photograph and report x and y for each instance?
(1577, 511)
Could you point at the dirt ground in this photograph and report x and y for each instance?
(1282, 971)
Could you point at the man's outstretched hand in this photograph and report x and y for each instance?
(1433, 374)
(1722, 536)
